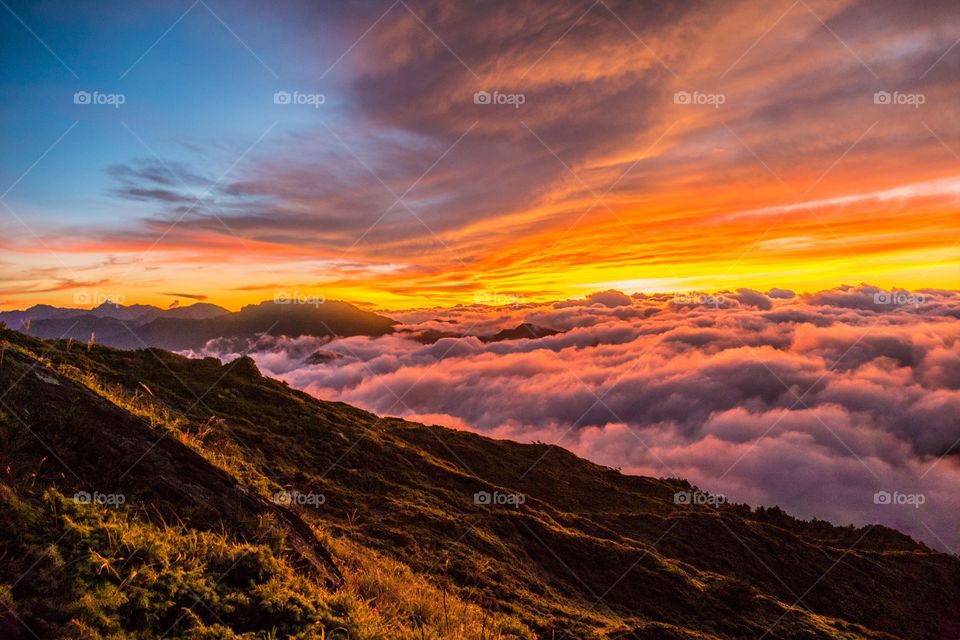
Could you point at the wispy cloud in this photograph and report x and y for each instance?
(191, 296)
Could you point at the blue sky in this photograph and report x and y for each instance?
(193, 95)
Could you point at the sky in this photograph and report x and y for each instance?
(407, 154)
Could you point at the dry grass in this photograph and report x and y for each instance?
(403, 600)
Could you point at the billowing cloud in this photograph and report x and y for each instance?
(610, 298)
(753, 298)
(782, 294)
(812, 403)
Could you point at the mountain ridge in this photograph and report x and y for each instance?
(190, 327)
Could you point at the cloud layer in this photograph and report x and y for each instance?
(812, 402)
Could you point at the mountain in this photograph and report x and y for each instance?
(522, 331)
(148, 495)
(18, 319)
(133, 314)
(197, 311)
(191, 327)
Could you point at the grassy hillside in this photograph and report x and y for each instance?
(253, 510)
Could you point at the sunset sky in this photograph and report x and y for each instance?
(590, 169)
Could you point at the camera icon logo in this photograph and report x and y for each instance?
(882, 497)
(282, 97)
(81, 97)
(882, 97)
(482, 97)
(682, 497)
(682, 97)
(881, 297)
(482, 497)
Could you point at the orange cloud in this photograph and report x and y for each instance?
(775, 164)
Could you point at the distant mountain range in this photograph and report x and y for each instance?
(140, 326)
(136, 313)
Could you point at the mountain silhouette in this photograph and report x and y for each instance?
(141, 326)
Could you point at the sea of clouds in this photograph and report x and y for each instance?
(813, 402)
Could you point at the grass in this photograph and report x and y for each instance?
(99, 572)
(90, 571)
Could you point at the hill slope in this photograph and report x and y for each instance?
(561, 548)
